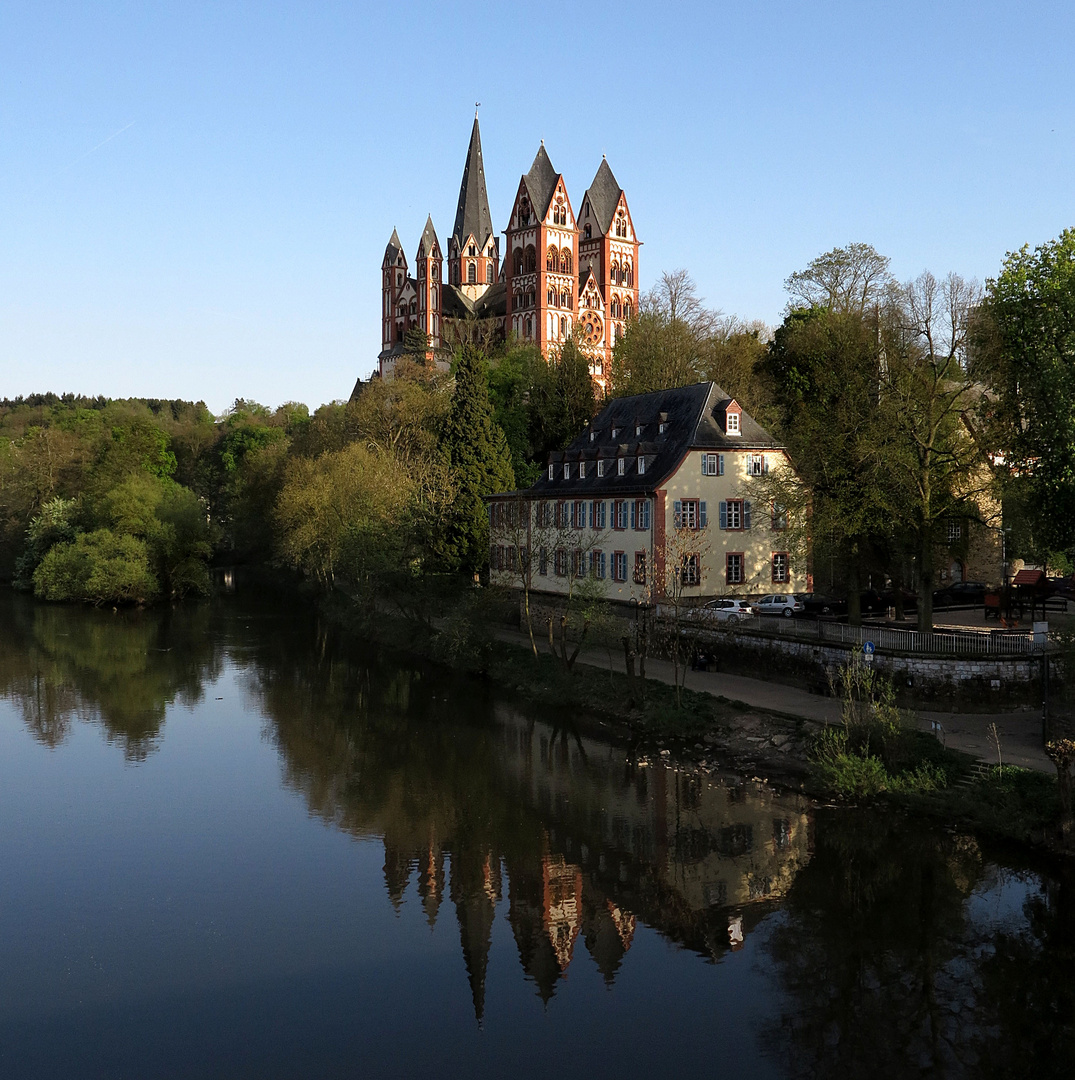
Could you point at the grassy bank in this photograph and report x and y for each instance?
(875, 755)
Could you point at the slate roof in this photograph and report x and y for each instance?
(429, 241)
(393, 248)
(472, 217)
(541, 182)
(491, 304)
(604, 195)
(693, 417)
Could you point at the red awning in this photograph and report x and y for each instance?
(1029, 577)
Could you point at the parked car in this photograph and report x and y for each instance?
(871, 602)
(727, 610)
(910, 599)
(818, 604)
(960, 594)
(785, 604)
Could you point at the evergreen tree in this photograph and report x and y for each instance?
(480, 463)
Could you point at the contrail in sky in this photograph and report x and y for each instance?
(93, 150)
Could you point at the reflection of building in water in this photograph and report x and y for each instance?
(562, 905)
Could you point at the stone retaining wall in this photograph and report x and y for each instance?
(949, 680)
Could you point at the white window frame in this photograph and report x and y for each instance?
(600, 466)
(621, 466)
(641, 464)
(732, 425)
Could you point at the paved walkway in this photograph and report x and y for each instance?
(1020, 732)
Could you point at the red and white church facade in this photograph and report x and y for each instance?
(563, 273)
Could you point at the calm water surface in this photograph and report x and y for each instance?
(234, 843)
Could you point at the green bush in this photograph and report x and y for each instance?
(874, 750)
(98, 567)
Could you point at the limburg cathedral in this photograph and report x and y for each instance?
(560, 270)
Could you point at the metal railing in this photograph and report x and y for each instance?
(885, 639)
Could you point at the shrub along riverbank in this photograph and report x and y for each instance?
(875, 754)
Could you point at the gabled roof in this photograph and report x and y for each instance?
(393, 249)
(429, 241)
(693, 419)
(604, 195)
(541, 182)
(472, 217)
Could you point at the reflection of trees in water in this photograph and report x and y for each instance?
(890, 971)
(60, 663)
(477, 803)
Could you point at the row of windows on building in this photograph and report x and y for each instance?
(473, 272)
(597, 514)
(558, 261)
(578, 563)
(594, 563)
(601, 467)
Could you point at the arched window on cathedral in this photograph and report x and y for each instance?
(551, 297)
(627, 309)
(565, 261)
(517, 261)
(563, 326)
(414, 306)
(552, 260)
(588, 231)
(529, 327)
(613, 270)
(563, 298)
(516, 301)
(471, 251)
(472, 274)
(621, 224)
(628, 275)
(433, 298)
(435, 272)
(489, 272)
(399, 331)
(531, 298)
(531, 259)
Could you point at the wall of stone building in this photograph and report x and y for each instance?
(980, 551)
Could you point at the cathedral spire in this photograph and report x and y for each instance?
(472, 216)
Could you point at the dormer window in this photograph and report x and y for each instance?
(731, 426)
(582, 470)
(621, 464)
(638, 430)
(660, 428)
(593, 435)
(601, 467)
(552, 472)
(567, 472)
(615, 432)
(641, 464)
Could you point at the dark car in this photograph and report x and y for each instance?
(891, 597)
(820, 605)
(960, 594)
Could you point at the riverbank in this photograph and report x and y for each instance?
(712, 733)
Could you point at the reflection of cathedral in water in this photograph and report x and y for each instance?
(587, 844)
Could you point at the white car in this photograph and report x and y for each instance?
(728, 610)
(779, 604)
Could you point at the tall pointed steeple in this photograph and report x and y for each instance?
(472, 216)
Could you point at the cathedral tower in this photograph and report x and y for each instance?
(428, 264)
(542, 256)
(608, 268)
(393, 281)
(473, 251)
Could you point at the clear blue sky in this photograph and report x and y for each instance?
(195, 197)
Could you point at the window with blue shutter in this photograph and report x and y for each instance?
(634, 515)
(746, 515)
(723, 514)
(677, 515)
(720, 465)
(701, 514)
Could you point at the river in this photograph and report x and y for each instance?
(235, 842)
